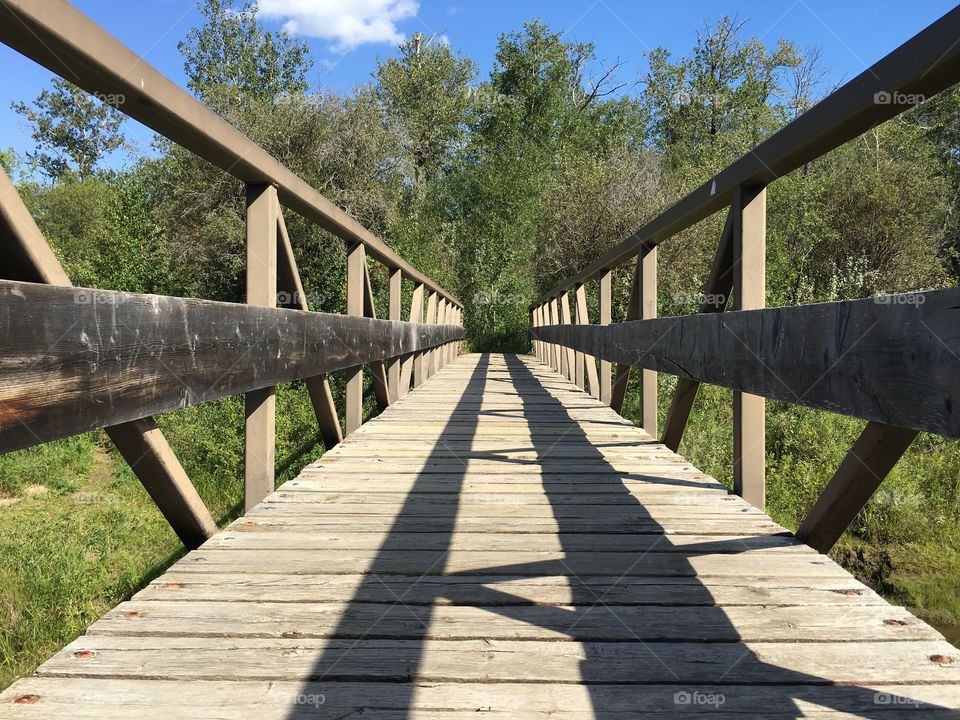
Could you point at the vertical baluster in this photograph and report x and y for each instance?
(749, 422)
(260, 405)
(606, 315)
(356, 289)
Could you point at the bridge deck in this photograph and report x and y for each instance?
(499, 543)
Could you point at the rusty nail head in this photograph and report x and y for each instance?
(26, 699)
(174, 586)
(941, 659)
(894, 623)
(133, 615)
(84, 654)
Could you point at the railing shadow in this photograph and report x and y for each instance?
(621, 673)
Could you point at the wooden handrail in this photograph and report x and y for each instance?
(56, 35)
(923, 66)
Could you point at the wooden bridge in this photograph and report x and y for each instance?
(498, 540)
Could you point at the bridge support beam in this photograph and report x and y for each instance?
(413, 364)
(643, 306)
(606, 315)
(749, 278)
(567, 355)
(394, 364)
(378, 370)
(263, 210)
(872, 457)
(587, 363)
(431, 357)
(356, 281)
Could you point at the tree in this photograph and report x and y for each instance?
(233, 60)
(425, 90)
(73, 131)
(708, 109)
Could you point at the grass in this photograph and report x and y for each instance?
(78, 533)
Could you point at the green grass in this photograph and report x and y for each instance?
(94, 537)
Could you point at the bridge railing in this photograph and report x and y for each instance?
(891, 360)
(76, 359)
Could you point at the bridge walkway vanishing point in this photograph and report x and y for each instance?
(500, 543)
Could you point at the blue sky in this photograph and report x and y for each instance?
(347, 36)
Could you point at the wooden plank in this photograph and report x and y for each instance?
(393, 365)
(149, 354)
(567, 357)
(260, 405)
(749, 213)
(549, 590)
(892, 359)
(279, 699)
(356, 296)
(647, 623)
(618, 392)
(165, 658)
(378, 371)
(872, 457)
(588, 361)
(413, 365)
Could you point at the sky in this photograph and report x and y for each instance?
(347, 37)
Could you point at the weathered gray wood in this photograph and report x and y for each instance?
(586, 362)
(414, 368)
(273, 699)
(891, 359)
(621, 379)
(606, 310)
(863, 469)
(101, 358)
(393, 365)
(378, 371)
(749, 212)
(260, 405)
(404, 558)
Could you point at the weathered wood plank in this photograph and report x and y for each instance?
(75, 359)
(892, 359)
(89, 698)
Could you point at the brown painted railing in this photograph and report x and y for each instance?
(70, 366)
(893, 360)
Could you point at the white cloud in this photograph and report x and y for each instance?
(347, 23)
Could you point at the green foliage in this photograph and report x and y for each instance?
(73, 130)
(232, 60)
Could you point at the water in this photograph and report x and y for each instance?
(950, 632)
